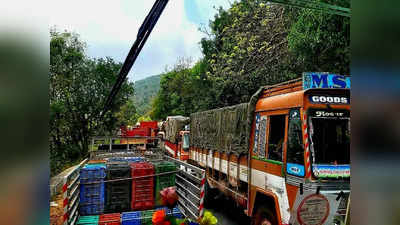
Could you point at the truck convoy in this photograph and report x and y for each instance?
(284, 157)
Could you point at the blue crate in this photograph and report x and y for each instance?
(131, 218)
(91, 209)
(126, 159)
(92, 192)
(174, 212)
(92, 173)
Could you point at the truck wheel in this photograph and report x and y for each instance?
(263, 216)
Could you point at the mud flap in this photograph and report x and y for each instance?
(190, 182)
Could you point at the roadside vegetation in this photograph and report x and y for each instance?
(252, 44)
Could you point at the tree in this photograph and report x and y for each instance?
(247, 49)
(127, 115)
(183, 90)
(321, 41)
(79, 86)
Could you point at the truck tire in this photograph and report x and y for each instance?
(263, 216)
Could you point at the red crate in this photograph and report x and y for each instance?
(110, 219)
(142, 188)
(142, 132)
(150, 124)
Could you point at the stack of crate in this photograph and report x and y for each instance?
(110, 219)
(92, 189)
(118, 193)
(163, 181)
(142, 186)
(88, 220)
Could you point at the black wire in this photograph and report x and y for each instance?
(143, 33)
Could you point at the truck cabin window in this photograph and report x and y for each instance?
(330, 140)
(295, 148)
(276, 137)
(185, 145)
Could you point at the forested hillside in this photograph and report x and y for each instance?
(145, 91)
(252, 44)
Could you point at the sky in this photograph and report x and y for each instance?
(110, 27)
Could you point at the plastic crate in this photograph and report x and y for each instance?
(147, 216)
(118, 194)
(142, 188)
(88, 220)
(86, 209)
(131, 218)
(118, 170)
(96, 161)
(110, 219)
(163, 181)
(174, 212)
(92, 172)
(93, 192)
(126, 159)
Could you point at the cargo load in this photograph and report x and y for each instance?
(225, 129)
(173, 125)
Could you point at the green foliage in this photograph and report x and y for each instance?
(247, 49)
(183, 90)
(145, 91)
(252, 44)
(127, 115)
(78, 88)
(321, 41)
(144, 118)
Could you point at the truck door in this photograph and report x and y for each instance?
(270, 143)
(190, 181)
(267, 174)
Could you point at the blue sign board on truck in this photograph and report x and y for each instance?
(325, 80)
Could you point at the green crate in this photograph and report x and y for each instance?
(147, 216)
(163, 181)
(88, 220)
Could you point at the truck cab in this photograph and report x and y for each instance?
(300, 151)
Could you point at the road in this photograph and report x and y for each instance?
(226, 212)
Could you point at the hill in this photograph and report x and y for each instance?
(145, 91)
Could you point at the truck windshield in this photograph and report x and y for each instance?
(185, 145)
(330, 137)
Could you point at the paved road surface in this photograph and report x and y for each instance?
(227, 213)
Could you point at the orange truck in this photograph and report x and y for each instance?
(284, 157)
